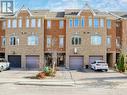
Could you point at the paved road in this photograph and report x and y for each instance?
(85, 83)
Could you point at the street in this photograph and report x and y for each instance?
(84, 83)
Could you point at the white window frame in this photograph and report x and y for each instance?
(3, 40)
(61, 41)
(33, 22)
(35, 42)
(48, 23)
(39, 23)
(9, 23)
(4, 25)
(27, 23)
(61, 24)
(70, 23)
(14, 23)
(94, 41)
(48, 41)
(20, 23)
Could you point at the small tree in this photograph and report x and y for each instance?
(120, 63)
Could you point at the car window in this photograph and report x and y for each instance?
(2, 60)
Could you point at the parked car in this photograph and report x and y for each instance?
(4, 65)
(99, 65)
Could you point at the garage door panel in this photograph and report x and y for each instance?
(76, 63)
(15, 61)
(32, 62)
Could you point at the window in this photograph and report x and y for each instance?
(96, 23)
(83, 22)
(14, 23)
(27, 22)
(13, 40)
(96, 40)
(39, 23)
(3, 41)
(33, 23)
(61, 24)
(76, 22)
(101, 23)
(90, 21)
(48, 41)
(61, 42)
(70, 23)
(118, 42)
(9, 23)
(33, 40)
(4, 25)
(20, 23)
(108, 41)
(76, 40)
(48, 24)
(108, 24)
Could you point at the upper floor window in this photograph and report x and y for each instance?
(27, 22)
(90, 22)
(96, 40)
(4, 25)
(108, 24)
(83, 22)
(48, 41)
(14, 40)
(61, 24)
(14, 23)
(108, 41)
(39, 23)
(20, 23)
(76, 40)
(101, 23)
(9, 23)
(70, 23)
(76, 22)
(61, 41)
(118, 42)
(33, 40)
(3, 41)
(33, 23)
(48, 24)
(96, 23)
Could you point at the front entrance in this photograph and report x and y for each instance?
(76, 62)
(110, 59)
(15, 61)
(48, 59)
(60, 59)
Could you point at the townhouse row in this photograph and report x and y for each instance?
(31, 39)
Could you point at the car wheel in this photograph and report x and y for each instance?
(1, 68)
(106, 70)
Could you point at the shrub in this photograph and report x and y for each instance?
(41, 75)
(49, 71)
(120, 63)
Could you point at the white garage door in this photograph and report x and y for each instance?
(76, 63)
(32, 62)
(93, 58)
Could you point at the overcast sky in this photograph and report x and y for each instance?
(59, 5)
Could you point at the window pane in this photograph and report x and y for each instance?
(83, 22)
(76, 22)
(33, 40)
(33, 23)
(14, 23)
(90, 22)
(96, 23)
(9, 23)
(3, 41)
(61, 42)
(102, 23)
(48, 42)
(39, 23)
(61, 24)
(96, 40)
(27, 22)
(108, 41)
(48, 24)
(71, 23)
(20, 23)
(4, 25)
(108, 24)
(12, 41)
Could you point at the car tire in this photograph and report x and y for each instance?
(106, 70)
(1, 68)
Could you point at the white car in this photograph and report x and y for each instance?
(99, 65)
(4, 65)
